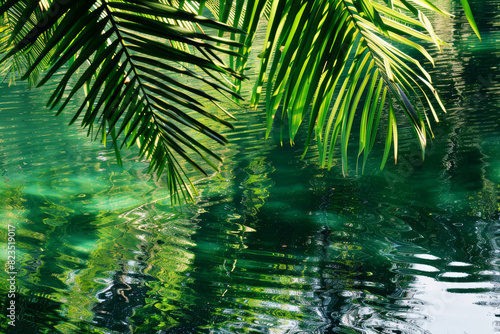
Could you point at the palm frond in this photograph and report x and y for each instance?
(328, 59)
(123, 54)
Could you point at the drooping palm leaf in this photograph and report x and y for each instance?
(324, 58)
(123, 54)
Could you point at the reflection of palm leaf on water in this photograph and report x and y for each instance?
(322, 62)
(37, 313)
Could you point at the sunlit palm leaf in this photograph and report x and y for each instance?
(331, 58)
(123, 54)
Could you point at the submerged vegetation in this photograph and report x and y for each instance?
(323, 61)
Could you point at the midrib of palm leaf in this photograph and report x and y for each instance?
(150, 117)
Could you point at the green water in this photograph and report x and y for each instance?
(273, 244)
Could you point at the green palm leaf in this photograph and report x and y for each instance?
(322, 59)
(123, 53)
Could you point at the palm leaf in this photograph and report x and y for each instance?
(322, 58)
(124, 54)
